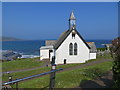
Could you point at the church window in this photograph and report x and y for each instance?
(75, 49)
(70, 49)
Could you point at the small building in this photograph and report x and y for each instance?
(46, 52)
(93, 50)
(70, 47)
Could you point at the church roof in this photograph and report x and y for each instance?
(50, 42)
(92, 46)
(64, 36)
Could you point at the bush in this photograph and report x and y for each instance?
(115, 52)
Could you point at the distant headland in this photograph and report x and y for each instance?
(9, 39)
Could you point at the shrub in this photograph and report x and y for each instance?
(116, 65)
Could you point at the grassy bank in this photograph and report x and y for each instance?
(68, 79)
(36, 71)
(21, 64)
(33, 62)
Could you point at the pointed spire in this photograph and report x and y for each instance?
(72, 17)
(72, 21)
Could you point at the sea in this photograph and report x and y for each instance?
(31, 48)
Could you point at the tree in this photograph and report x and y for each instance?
(115, 51)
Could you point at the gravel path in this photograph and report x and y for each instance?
(87, 64)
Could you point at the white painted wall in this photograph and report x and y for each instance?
(63, 51)
(51, 54)
(44, 54)
(92, 55)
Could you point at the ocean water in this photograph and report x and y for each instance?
(32, 47)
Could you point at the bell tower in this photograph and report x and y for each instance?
(72, 21)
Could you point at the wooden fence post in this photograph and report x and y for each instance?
(16, 85)
(52, 75)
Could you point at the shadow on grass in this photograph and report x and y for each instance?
(98, 83)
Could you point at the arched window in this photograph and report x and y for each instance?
(70, 49)
(75, 49)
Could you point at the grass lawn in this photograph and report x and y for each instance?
(21, 64)
(36, 71)
(68, 79)
(34, 62)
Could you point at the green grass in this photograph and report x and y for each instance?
(33, 72)
(25, 73)
(34, 62)
(0, 65)
(37, 71)
(67, 79)
(68, 65)
(21, 64)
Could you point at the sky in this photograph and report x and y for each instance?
(47, 20)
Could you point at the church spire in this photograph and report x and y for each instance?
(72, 21)
(72, 17)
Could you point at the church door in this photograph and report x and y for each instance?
(64, 61)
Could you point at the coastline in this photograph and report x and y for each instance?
(30, 48)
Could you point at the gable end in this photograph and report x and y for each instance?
(64, 36)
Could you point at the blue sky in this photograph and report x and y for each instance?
(39, 20)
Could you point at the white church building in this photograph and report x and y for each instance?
(70, 47)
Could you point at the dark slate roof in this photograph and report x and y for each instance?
(64, 36)
(92, 46)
